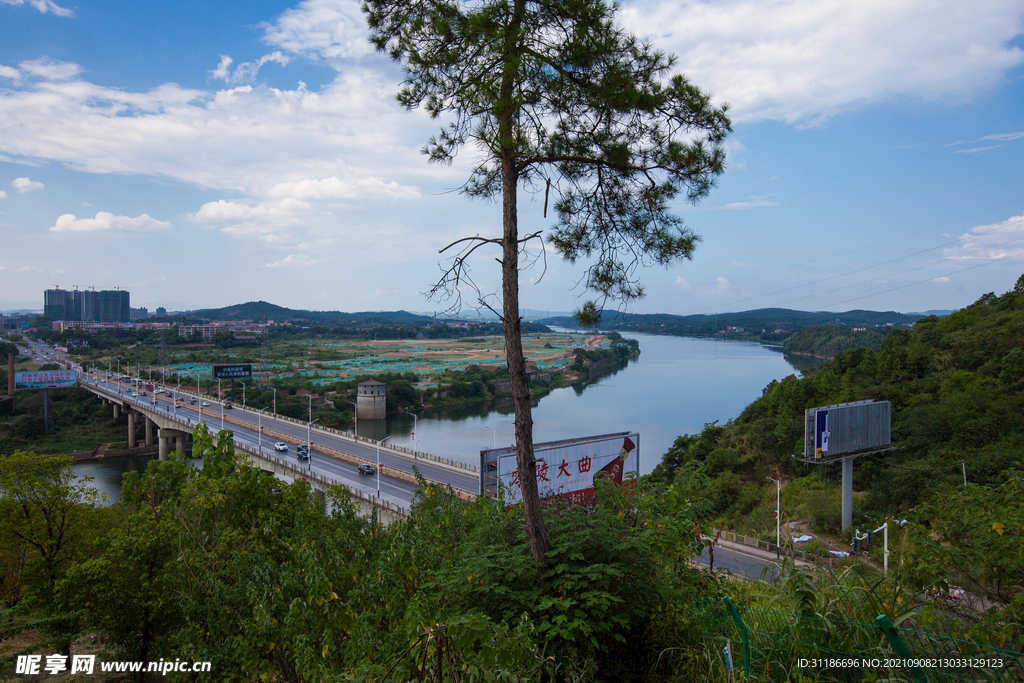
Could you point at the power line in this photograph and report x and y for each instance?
(909, 270)
(859, 270)
(912, 284)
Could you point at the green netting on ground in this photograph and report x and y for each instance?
(784, 646)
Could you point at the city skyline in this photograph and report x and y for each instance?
(255, 151)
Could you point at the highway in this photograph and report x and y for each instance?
(394, 489)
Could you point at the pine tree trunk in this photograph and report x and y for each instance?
(510, 298)
(517, 372)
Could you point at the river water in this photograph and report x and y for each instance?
(675, 386)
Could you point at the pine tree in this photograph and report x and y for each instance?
(554, 96)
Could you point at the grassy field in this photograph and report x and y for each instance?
(326, 361)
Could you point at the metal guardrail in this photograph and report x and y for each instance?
(296, 472)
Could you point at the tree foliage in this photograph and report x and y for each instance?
(554, 95)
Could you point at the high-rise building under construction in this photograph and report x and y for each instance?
(105, 306)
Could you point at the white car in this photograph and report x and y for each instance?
(206, 404)
(280, 446)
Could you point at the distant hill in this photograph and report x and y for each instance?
(762, 324)
(260, 310)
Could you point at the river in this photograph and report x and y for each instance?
(676, 386)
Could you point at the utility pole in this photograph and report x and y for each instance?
(778, 517)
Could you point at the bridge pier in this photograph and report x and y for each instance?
(162, 451)
(179, 443)
(149, 431)
(117, 410)
(131, 429)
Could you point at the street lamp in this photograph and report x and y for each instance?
(243, 395)
(275, 401)
(778, 515)
(378, 462)
(413, 428)
(309, 444)
(355, 419)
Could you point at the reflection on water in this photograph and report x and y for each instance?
(107, 473)
(675, 386)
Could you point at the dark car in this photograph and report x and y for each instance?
(366, 469)
(302, 451)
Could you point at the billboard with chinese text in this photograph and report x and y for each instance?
(564, 468)
(45, 379)
(231, 371)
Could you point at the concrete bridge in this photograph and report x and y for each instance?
(334, 459)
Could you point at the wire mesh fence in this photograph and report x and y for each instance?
(772, 645)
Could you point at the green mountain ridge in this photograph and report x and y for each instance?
(259, 310)
(760, 324)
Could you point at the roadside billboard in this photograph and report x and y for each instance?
(231, 371)
(831, 431)
(564, 468)
(45, 379)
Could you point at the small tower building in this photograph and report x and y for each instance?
(370, 400)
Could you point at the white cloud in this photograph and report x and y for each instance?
(804, 60)
(682, 284)
(1004, 137)
(246, 139)
(108, 222)
(2, 194)
(43, 6)
(351, 188)
(752, 202)
(293, 261)
(322, 30)
(976, 150)
(50, 70)
(996, 241)
(223, 69)
(10, 73)
(941, 278)
(261, 215)
(25, 185)
(246, 71)
(722, 287)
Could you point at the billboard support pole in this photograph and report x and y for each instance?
(46, 411)
(847, 492)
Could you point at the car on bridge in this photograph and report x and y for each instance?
(281, 446)
(206, 404)
(227, 405)
(366, 469)
(302, 451)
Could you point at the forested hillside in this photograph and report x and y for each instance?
(955, 386)
(828, 340)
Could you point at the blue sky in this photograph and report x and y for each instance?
(203, 154)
